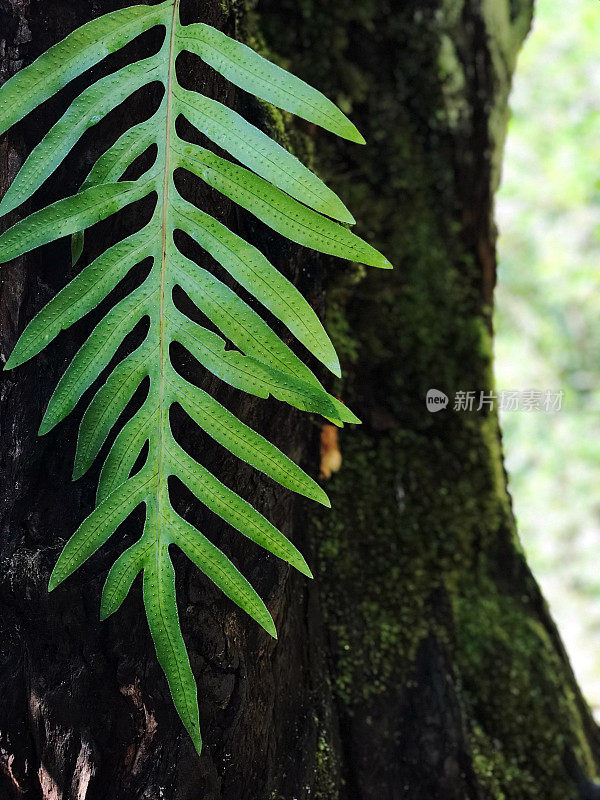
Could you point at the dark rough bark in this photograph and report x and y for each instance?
(422, 662)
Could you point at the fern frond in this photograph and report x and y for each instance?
(268, 182)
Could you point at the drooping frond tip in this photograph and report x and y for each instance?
(267, 181)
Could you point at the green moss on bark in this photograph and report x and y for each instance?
(421, 541)
(383, 567)
(401, 535)
(523, 711)
(326, 783)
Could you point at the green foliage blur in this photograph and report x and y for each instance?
(548, 316)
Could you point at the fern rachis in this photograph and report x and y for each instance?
(272, 185)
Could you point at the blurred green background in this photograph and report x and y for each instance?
(547, 316)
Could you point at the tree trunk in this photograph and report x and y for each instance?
(422, 662)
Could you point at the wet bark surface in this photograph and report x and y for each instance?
(422, 662)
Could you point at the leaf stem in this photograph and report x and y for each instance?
(163, 344)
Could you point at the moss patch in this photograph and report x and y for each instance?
(325, 785)
(522, 711)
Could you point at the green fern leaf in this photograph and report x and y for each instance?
(81, 295)
(102, 523)
(256, 150)
(123, 573)
(74, 55)
(69, 215)
(85, 111)
(126, 449)
(242, 441)
(249, 267)
(275, 208)
(271, 184)
(113, 163)
(228, 505)
(242, 66)
(163, 618)
(219, 569)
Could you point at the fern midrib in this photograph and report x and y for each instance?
(163, 410)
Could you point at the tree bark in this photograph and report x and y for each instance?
(422, 662)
